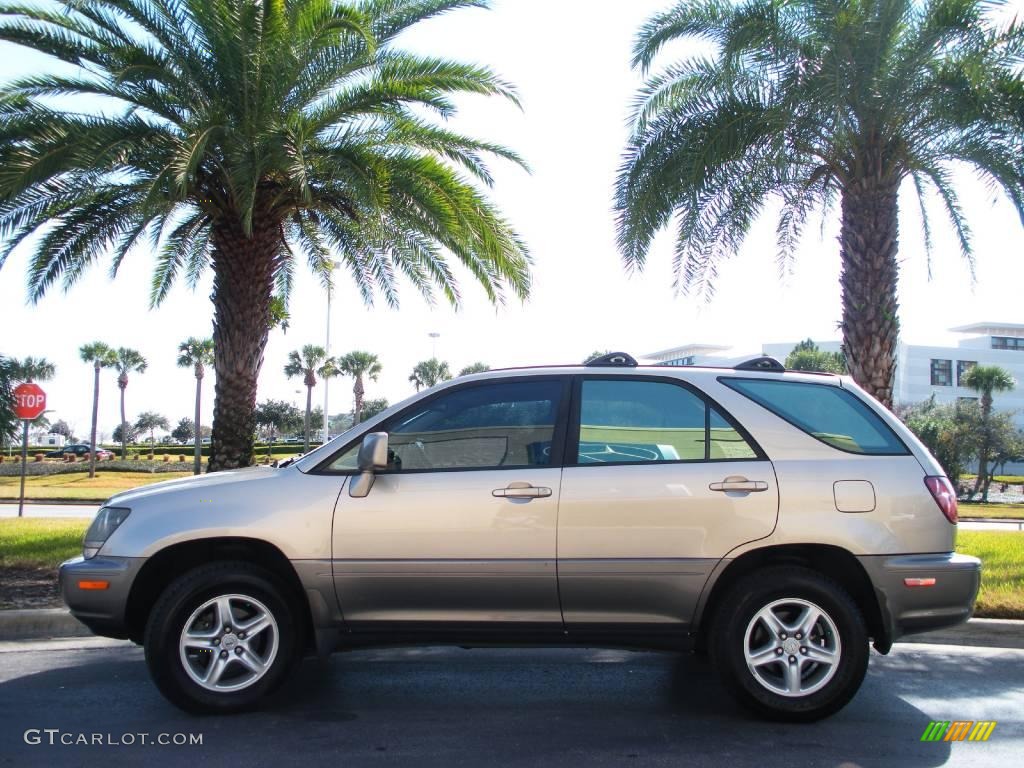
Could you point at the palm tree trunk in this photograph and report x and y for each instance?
(358, 391)
(124, 427)
(197, 466)
(243, 273)
(868, 245)
(309, 411)
(152, 443)
(980, 482)
(95, 418)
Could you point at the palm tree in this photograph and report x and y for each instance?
(357, 365)
(812, 101)
(311, 362)
(247, 135)
(33, 369)
(128, 361)
(430, 372)
(196, 354)
(986, 380)
(149, 421)
(8, 421)
(474, 368)
(101, 356)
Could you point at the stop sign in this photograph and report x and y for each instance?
(29, 401)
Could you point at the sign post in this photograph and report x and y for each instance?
(29, 404)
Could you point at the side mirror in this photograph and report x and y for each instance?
(373, 456)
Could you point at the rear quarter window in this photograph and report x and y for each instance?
(833, 415)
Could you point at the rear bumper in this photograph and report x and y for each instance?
(101, 610)
(908, 609)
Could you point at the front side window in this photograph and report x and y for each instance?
(499, 425)
(629, 421)
(942, 373)
(831, 414)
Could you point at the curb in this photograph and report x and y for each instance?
(43, 623)
(986, 633)
(40, 623)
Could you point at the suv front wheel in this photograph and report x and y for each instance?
(221, 637)
(790, 644)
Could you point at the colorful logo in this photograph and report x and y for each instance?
(958, 730)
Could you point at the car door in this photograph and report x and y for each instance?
(659, 484)
(461, 528)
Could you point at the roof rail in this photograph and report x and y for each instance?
(613, 359)
(764, 363)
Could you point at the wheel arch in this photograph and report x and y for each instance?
(835, 562)
(171, 562)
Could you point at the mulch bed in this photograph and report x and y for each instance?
(29, 588)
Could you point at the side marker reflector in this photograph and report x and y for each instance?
(93, 584)
(911, 582)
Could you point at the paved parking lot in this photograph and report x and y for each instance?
(453, 707)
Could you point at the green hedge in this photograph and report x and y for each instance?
(164, 450)
(47, 468)
(189, 450)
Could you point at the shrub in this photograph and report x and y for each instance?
(47, 468)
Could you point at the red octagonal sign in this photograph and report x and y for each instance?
(29, 401)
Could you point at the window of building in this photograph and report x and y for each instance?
(831, 414)
(1007, 342)
(962, 367)
(942, 373)
(680, 361)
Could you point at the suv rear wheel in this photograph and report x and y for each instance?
(221, 637)
(790, 644)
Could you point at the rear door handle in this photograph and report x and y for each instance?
(739, 483)
(521, 491)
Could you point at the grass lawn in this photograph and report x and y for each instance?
(78, 485)
(42, 542)
(1005, 511)
(1002, 574)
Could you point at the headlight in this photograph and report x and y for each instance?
(106, 522)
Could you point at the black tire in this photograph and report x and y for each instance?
(736, 614)
(187, 594)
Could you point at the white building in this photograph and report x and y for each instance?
(921, 371)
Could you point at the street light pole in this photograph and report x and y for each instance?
(327, 348)
(434, 336)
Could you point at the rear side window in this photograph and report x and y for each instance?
(628, 421)
(833, 415)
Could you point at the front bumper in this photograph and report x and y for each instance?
(909, 609)
(101, 610)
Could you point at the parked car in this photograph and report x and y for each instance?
(79, 450)
(780, 521)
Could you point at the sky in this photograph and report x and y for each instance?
(569, 60)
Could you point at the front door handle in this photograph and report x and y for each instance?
(741, 484)
(521, 490)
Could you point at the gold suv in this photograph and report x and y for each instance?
(780, 521)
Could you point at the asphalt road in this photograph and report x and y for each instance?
(478, 708)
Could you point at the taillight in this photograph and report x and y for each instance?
(944, 495)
